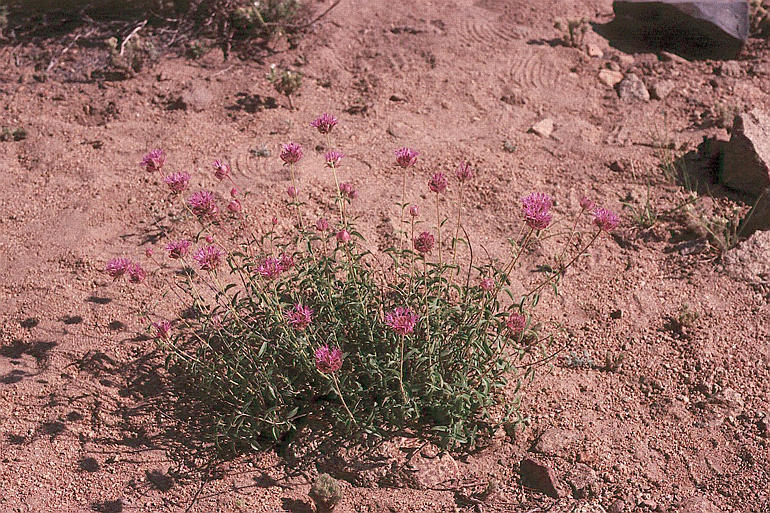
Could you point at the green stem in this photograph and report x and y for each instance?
(339, 393)
(401, 371)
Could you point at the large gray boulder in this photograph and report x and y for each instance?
(713, 27)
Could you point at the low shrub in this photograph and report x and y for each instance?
(272, 329)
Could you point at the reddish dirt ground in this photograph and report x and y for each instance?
(678, 426)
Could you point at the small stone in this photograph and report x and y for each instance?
(625, 60)
(617, 507)
(583, 481)
(614, 66)
(594, 51)
(698, 504)
(539, 476)
(632, 89)
(555, 441)
(543, 128)
(730, 69)
(672, 57)
(749, 262)
(609, 77)
(661, 89)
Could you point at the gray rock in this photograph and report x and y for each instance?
(543, 128)
(632, 88)
(713, 26)
(698, 504)
(610, 77)
(555, 442)
(749, 262)
(661, 89)
(746, 165)
(539, 476)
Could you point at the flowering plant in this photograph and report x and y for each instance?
(272, 327)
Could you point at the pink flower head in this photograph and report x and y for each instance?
(343, 236)
(274, 221)
(177, 182)
(270, 268)
(291, 153)
(178, 248)
(300, 316)
(437, 183)
(149, 252)
(286, 262)
(487, 284)
(406, 157)
(162, 330)
(586, 203)
(401, 320)
(516, 323)
(423, 243)
(333, 158)
(117, 267)
(536, 209)
(464, 171)
(154, 160)
(291, 191)
(202, 204)
(221, 169)
(234, 206)
(233, 192)
(209, 238)
(347, 189)
(135, 273)
(324, 123)
(414, 211)
(209, 257)
(328, 360)
(322, 224)
(606, 220)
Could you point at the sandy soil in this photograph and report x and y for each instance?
(677, 427)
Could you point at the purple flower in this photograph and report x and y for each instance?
(343, 236)
(209, 257)
(406, 157)
(299, 317)
(438, 183)
(234, 206)
(209, 238)
(117, 267)
(274, 221)
(178, 248)
(536, 209)
(328, 360)
(324, 123)
(286, 262)
(291, 191)
(487, 284)
(516, 323)
(177, 182)
(464, 171)
(333, 158)
(401, 320)
(149, 252)
(606, 220)
(162, 330)
(414, 211)
(233, 192)
(291, 153)
(347, 189)
(322, 224)
(154, 160)
(135, 273)
(270, 268)
(202, 204)
(221, 169)
(586, 203)
(423, 243)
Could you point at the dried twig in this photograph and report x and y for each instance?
(55, 60)
(132, 34)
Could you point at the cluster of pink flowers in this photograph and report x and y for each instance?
(271, 267)
(291, 153)
(119, 267)
(162, 330)
(343, 236)
(406, 157)
(423, 243)
(291, 191)
(487, 284)
(300, 317)
(221, 169)
(322, 224)
(537, 210)
(209, 257)
(516, 322)
(347, 190)
(177, 182)
(202, 204)
(586, 203)
(328, 360)
(438, 183)
(324, 123)
(401, 320)
(464, 172)
(178, 248)
(333, 158)
(154, 160)
(414, 210)
(606, 220)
